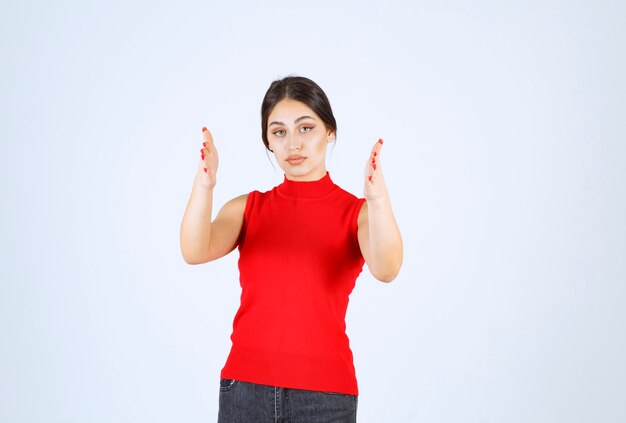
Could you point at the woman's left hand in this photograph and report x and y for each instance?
(375, 188)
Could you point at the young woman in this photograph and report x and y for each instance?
(302, 246)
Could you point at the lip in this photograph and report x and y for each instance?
(294, 160)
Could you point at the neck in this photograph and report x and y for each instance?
(309, 177)
(307, 188)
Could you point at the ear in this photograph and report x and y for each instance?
(330, 136)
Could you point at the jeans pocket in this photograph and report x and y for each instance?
(227, 384)
(337, 394)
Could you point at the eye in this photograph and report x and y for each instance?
(306, 129)
(279, 133)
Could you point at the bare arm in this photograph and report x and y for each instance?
(379, 237)
(201, 240)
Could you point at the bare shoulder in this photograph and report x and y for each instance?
(234, 208)
(238, 202)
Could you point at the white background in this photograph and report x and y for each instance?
(505, 146)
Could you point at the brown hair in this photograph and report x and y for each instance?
(300, 89)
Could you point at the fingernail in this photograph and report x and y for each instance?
(380, 140)
(204, 144)
(375, 154)
(203, 157)
(374, 166)
(373, 160)
(202, 150)
(203, 129)
(369, 178)
(205, 170)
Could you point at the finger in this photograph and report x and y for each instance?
(208, 137)
(375, 152)
(377, 147)
(207, 145)
(373, 165)
(375, 155)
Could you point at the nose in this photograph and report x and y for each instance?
(294, 142)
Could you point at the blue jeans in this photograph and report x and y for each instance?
(245, 402)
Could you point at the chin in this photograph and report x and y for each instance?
(296, 170)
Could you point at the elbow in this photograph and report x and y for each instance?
(195, 260)
(388, 272)
(194, 251)
(386, 267)
(190, 261)
(386, 277)
(191, 258)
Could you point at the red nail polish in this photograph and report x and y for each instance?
(374, 166)
(203, 129)
(380, 140)
(369, 178)
(373, 160)
(205, 170)
(203, 157)
(375, 154)
(204, 144)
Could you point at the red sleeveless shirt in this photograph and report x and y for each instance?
(299, 260)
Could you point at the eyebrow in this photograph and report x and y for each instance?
(296, 121)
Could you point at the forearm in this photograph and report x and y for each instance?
(385, 241)
(195, 229)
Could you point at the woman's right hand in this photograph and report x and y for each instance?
(207, 169)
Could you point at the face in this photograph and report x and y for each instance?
(298, 138)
